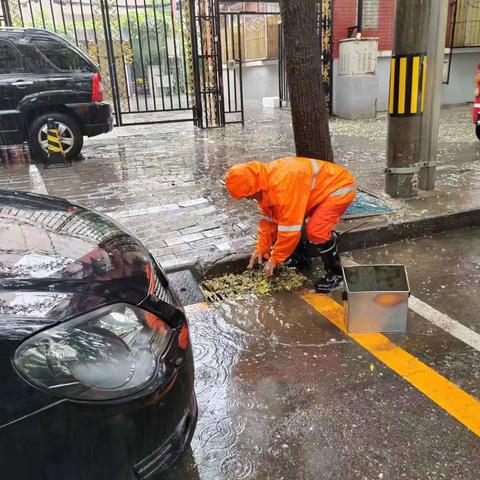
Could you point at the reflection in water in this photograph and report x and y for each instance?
(257, 369)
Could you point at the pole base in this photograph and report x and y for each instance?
(401, 185)
(426, 178)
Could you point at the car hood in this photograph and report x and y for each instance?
(59, 260)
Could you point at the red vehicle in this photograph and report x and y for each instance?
(476, 104)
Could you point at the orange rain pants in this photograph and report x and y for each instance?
(324, 218)
(289, 191)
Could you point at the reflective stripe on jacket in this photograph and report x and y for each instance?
(291, 189)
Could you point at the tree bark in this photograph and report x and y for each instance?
(304, 76)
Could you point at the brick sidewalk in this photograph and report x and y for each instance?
(165, 182)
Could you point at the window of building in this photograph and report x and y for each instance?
(465, 31)
(370, 14)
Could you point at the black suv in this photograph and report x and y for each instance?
(43, 75)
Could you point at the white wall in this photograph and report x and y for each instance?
(260, 79)
(462, 77)
(459, 90)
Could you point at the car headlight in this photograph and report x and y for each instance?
(106, 354)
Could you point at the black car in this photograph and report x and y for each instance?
(96, 368)
(43, 75)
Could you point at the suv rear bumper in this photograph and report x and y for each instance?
(96, 117)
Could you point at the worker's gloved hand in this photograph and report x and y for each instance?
(255, 259)
(269, 268)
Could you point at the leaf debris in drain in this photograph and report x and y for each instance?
(251, 282)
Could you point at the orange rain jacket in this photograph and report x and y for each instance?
(291, 189)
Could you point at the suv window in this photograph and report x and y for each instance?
(61, 55)
(10, 60)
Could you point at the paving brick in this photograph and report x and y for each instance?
(193, 202)
(184, 239)
(173, 249)
(208, 241)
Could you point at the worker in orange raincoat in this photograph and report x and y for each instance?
(291, 192)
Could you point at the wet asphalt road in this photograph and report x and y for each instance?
(285, 394)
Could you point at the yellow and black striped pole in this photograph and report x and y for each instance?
(406, 102)
(408, 76)
(55, 150)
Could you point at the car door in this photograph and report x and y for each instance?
(15, 84)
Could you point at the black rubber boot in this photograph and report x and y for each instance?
(333, 267)
(300, 257)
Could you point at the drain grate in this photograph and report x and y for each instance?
(232, 286)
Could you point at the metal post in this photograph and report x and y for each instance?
(433, 95)
(406, 100)
(360, 17)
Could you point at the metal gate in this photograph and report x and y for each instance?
(143, 48)
(325, 38)
(4, 13)
(231, 47)
(209, 111)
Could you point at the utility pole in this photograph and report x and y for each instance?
(433, 96)
(406, 99)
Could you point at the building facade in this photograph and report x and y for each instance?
(462, 45)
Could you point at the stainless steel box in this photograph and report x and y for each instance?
(376, 298)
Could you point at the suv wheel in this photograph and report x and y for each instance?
(477, 131)
(71, 136)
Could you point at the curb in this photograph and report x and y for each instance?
(374, 236)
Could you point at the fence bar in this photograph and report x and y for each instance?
(183, 50)
(133, 63)
(240, 68)
(167, 53)
(159, 54)
(141, 54)
(227, 58)
(175, 51)
(235, 60)
(123, 56)
(150, 80)
(73, 21)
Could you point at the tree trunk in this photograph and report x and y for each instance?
(304, 76)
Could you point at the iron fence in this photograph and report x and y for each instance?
(143, 49)
(325, 38)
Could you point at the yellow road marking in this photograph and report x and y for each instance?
(462, 406)
(402, 85)
(392, 86)
(415, 78)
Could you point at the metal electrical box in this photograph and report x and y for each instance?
(376, 298)
(358, 57)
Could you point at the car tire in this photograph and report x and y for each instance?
(477, 131)
(70, 133)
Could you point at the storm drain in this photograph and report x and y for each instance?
(251, 282)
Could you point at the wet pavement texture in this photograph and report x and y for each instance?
(165, 182)
(285, 394)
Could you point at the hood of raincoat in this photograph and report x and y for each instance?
(246, 179)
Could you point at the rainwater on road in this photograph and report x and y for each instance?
(285, 394)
